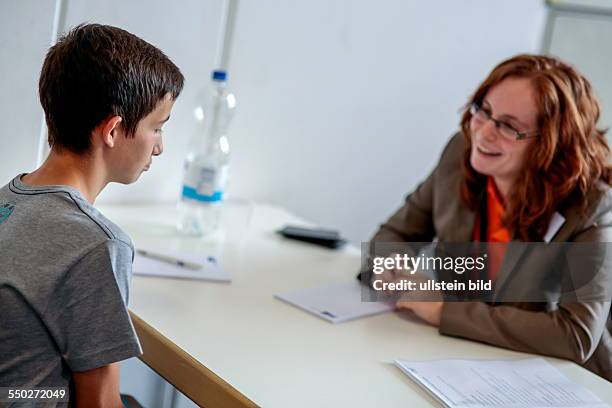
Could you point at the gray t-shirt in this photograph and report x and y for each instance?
(65, 272)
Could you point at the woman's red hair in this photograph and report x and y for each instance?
(569, 156)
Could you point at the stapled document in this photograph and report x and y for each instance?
(527, 383)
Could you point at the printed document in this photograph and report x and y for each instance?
(527, 383)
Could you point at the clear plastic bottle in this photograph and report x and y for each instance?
(207, 163)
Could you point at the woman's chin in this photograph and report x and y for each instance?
(482, 168)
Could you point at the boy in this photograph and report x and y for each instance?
(65, 269)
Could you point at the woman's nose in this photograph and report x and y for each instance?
(489, 130)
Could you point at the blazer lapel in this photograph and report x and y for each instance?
(518, 249)
(461, 224)
(514, 252)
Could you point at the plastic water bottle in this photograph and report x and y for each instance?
(207, 163)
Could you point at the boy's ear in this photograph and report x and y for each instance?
(110, 129)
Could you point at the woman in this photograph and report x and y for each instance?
(530, 151)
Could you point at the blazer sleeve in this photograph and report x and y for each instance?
(575, 327)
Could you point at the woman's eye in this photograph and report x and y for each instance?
(508, 127)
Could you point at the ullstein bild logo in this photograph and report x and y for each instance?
(432, 285)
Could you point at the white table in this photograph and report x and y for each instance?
(235, 345)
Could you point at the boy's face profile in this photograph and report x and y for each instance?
(130, 156)
(121, 77)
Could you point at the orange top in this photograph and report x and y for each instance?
(496, 231)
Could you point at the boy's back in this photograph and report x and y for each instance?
(65, 272)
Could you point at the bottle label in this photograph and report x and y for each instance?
(204, 184)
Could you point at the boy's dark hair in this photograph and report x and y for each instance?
(95, 71)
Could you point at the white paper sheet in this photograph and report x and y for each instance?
(528, 383)
(336, 303)
(211, 270)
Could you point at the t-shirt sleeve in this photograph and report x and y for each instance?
(88, 316)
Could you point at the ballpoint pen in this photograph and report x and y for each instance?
(170, 260)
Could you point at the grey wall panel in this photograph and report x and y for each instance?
(25, 33)
(583, 39)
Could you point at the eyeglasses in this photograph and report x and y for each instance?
(482, 115)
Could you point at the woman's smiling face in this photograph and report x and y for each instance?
(511, 102)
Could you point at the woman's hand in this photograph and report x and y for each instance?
(426, 304)
(428, 311)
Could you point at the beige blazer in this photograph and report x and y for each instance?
(573, 330)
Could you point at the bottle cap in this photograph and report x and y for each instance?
(219, 75)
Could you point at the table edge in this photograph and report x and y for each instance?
(184, 372)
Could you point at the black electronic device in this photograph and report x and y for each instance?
(318, 236)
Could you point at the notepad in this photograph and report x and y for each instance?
(210, 271)
(336, 303)
(527, 383)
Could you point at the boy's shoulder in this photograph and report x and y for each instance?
(59, 214)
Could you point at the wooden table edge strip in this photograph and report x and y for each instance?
(185, 373)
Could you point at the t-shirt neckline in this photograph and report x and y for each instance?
(20, 185)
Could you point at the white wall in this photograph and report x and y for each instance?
(345, 105)
(342, 106)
